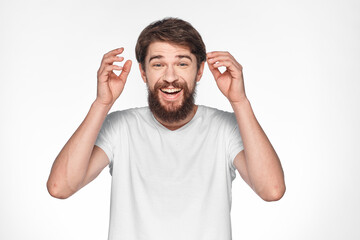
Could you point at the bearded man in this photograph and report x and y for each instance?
(173, 162)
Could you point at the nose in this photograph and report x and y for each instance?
(170, 74)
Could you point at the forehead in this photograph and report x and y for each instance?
(167, 50)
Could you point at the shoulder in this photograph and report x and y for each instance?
(128, 115)
(217, 115)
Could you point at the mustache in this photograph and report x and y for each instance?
(165, 84)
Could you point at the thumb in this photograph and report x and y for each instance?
(215, 71)
(125, 71)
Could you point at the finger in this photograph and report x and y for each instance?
(217, 56)
(125, 71)
(108, 54)
(230, 66)
(223, 63)
(112, 67)
(114, 52)
(220, 54)
(217, 53)
(103, 76)
(215, 71)
(234, 70)
(110, 60)
(223, 59)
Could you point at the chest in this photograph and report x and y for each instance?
(194, 155)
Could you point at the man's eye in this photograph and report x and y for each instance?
(157, 65)
(183, 64)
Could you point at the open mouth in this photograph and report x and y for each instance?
(171, 90)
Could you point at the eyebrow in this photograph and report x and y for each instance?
(178, 56)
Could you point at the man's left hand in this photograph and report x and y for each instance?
(230, 82)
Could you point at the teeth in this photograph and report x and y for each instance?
(171, 90)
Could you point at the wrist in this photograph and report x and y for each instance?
(101, 106)
(240, 103)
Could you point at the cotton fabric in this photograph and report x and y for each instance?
(170, 185)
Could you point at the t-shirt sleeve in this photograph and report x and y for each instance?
(235, 141)
(105, 138)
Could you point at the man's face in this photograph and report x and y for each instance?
(171, 75)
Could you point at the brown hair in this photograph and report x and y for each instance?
(171, 30)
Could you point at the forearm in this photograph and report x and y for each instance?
(70, 166)
(263, 165)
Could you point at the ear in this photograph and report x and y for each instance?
(200, 71)
(142, 72)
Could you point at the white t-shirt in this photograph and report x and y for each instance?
(170, 185)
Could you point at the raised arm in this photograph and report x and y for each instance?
(258, 164)
(79, 162)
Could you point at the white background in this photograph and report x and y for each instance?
(301, 64)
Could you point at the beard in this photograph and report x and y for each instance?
(173, 112)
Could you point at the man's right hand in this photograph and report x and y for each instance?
(111, 86)
(79, 162)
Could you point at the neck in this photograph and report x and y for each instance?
(176, 125)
